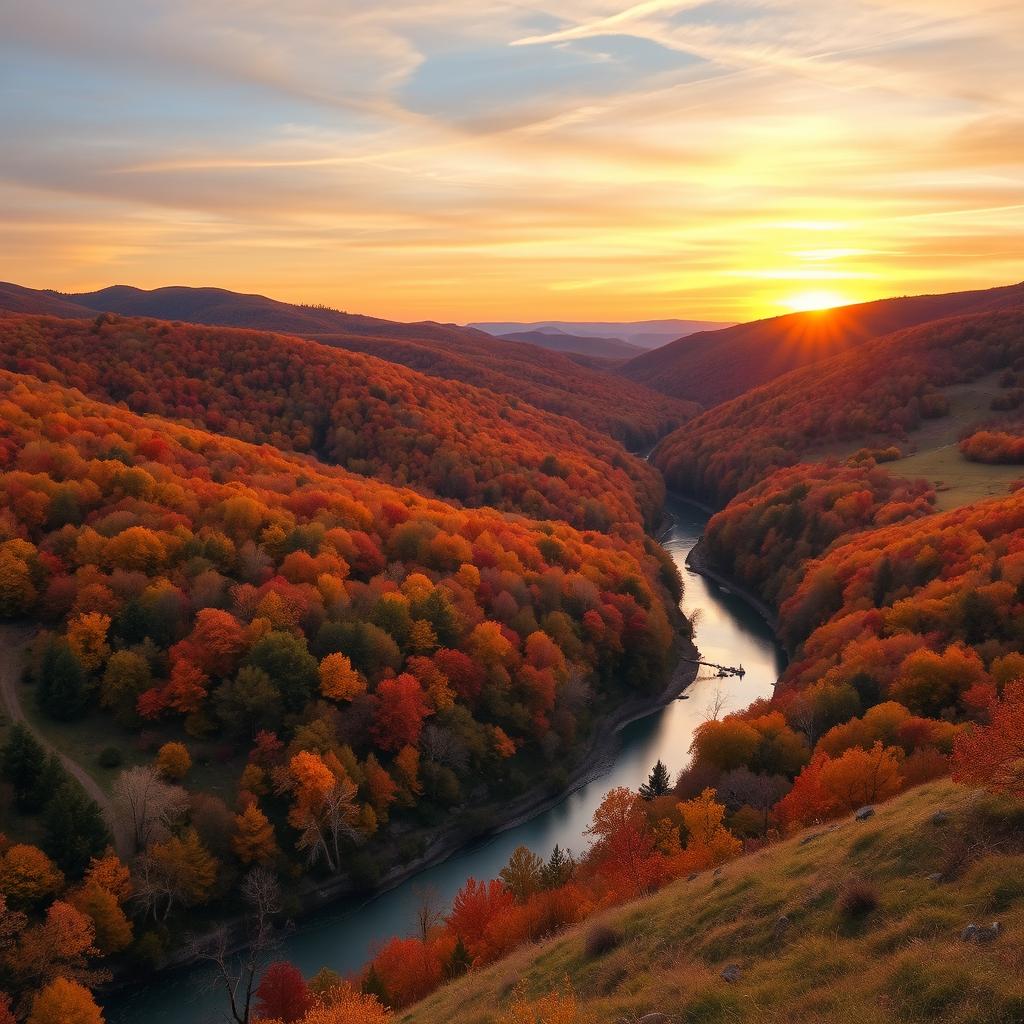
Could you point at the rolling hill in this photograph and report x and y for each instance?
(878, 393)
(713, 367)
(371, 416)
(645, 334)
(633, 414)
(559, 341)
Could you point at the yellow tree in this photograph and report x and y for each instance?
(173, 761)
(64, 1002)
(339, 680)
(87, 637)
(253, 841)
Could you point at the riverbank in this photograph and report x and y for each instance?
(597, 759)
(699, 561)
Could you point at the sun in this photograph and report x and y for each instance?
(816, 299)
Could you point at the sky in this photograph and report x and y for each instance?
(459, 161)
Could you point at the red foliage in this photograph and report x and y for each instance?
(282, 993)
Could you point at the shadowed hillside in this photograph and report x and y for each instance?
(712, 367)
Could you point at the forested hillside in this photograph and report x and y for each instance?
(328, 652)
(713, 367)
(633, 414)
(871, 396)
(362, 413)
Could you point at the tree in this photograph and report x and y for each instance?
(173, 761)
(87, 638)
(146, 804)
(399, 708)
(339, 680)
(28, 876)
(253, 841)
(22, 763)
(74, 828)
(559, 870)
(992, 756)
(249, 703)
(658, 782)
(61, 692)
(429, 911)
(64, 1002)
(126, 678)
(523, 874)
(282, 993)
(623, 847)
(177, 872)
(285, 658)
(17, 594)
(233, 973)
(113, 929)
(475, 905)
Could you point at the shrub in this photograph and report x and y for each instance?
(857, 899)
(600, 940)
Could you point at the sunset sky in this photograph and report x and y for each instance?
(579, 159)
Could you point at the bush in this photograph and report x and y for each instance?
(857, 899)
(110, 757)
(600, 940)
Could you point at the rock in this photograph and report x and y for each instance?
(940, 817)
(982, 933)
(810, 838)
(654, 1018)
(692, 876)
(717, 872)
(864, 813)
(731, 974)
(781, 925)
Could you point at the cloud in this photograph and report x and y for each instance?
(579, 159)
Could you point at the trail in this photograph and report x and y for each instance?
(13, 643)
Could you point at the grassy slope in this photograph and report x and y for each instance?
(904, 962)
(933, 452)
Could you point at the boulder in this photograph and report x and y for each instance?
(781, 925)
(864, 813)
(981, 932)
(935, 876)
(810, 838)
(731, 974)
(940, 817)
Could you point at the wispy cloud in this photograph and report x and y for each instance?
(591, 158)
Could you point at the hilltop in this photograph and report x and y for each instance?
(713, 367)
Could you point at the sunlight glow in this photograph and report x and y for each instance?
(816, 299)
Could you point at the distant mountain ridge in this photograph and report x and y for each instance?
(559, 341)
(714, 366)
(553, 381)
(645, 334)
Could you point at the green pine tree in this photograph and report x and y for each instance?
(74, 830)
(61, 693)
(22, 761)
(459, 962)
(658, 782)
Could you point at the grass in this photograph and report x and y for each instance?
(932, 451)
(902, 961)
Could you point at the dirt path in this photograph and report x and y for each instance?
(13, 643)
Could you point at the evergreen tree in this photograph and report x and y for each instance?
(22, 762)
(560, 868)
(658, 782)
(459, 962)
(373, 986)
(74, 828)
(61, 692)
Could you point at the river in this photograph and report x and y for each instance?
(729, 632)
